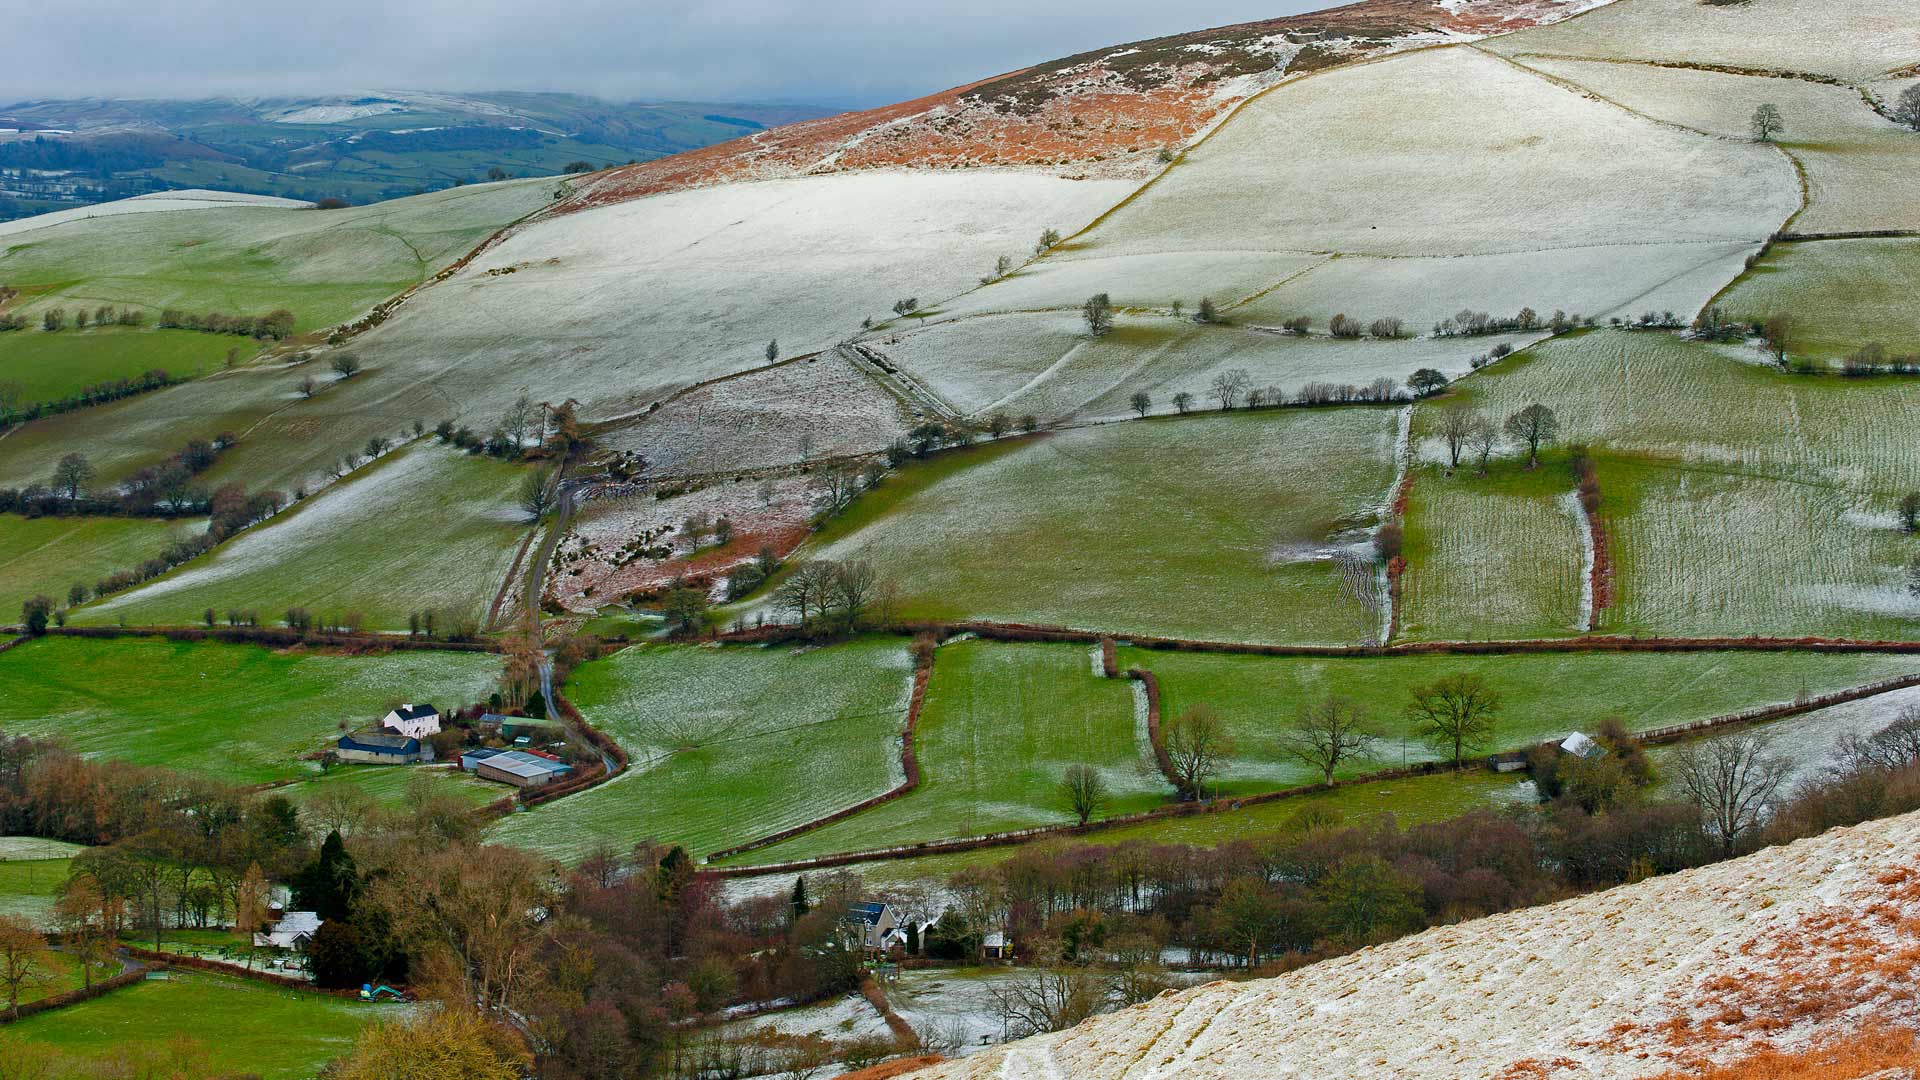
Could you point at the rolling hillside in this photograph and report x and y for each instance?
(1805, 944)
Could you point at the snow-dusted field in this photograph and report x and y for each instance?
(1144, 279)
(188, 199)
(1449, 152)
(618, 307)
(1850, 39)
(1863, 170)
(1794, 943)
(428, 527)
(1488, 561)
(763, 418)
(1045, 364)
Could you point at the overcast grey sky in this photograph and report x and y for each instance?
(850, 52)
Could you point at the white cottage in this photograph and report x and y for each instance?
(413, 721)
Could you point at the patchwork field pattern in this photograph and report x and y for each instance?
(727, 745)
(424, 528)
(999, 727)
(239, 713)
(48, 367)
(1257, 696)
(1246, 526)
(1740, 499)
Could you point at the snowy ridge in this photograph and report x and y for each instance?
(1810, 939)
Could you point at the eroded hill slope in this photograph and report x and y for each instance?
(1800, 944)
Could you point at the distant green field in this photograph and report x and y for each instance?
(727, 744)
(62, 974)
(1495, 556)
(28, 887)
(325, 266)
(1000, 725)
(1842, 294)
(48, 367)
(1737, 499)
(48, 556)
(394, 786)
(242, 713)
(1546, 694)
(1415, 801)
(426, 527)
(243, 1027)
(1219, 526)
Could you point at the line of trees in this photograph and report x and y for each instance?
(275, 325)
(56, 319)
(15, 409)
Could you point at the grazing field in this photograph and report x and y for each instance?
(618, 307)
(147, 204)
(727, 744)
(394, 787)
(326, 266)
(30, 882)
(49, 367)
(1044, 364)
(426, 528)
(1811, 741)
(1495, 556)
(48, 556)
(1849, 39)
(1862, 170)
(824, 405)
(1546, 695)
(240, 713)
(1250, 526)
(1737, 499)
(1000, 725)
(1842, 294)
(240, 1026)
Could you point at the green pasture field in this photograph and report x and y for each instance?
(1546, 695)
(426, 527)
(1000, 725)
(242, 1027)
(28, 886)
(394, 786)
(326, 266)
(1220, 526)
(49, 367)
(727, 744)
(48, 556)
(1842, 294)
(241, 713)
(1494, 556)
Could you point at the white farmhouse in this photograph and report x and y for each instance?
(413, 721)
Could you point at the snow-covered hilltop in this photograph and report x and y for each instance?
(1104, 113)
(1793, 946)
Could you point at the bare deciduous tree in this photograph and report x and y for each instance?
(71, 473)
(1456, 421)
(1043, 999)
(1085, 793)
(1098, 313)
(1733, 780)
(1229, 386)
(1456, 715)
(24, 959)
(1198, 744)
(537, 493)
(1328, 732)
(1533, 425)
(1142, 402)
(345, 365)
(1482, 439)
(1766, 123)
(1906, 111)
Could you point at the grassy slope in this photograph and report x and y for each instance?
(52, 366)
(396, 787)
(1258, 696)
(1843, 294)
(325, 266)
(245, 1027)
(28, 887)
(47, 556)
(1739, 500)
(242, 713)
(1495, 556)
(426, 527)
(728, 744)
(1000, 725)
(1205, 526)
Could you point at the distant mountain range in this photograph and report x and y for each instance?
(360, 148)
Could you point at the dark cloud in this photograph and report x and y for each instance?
(853, 52)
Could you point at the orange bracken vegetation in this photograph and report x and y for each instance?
(1878, 1053)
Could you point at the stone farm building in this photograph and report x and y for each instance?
(382, 748)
